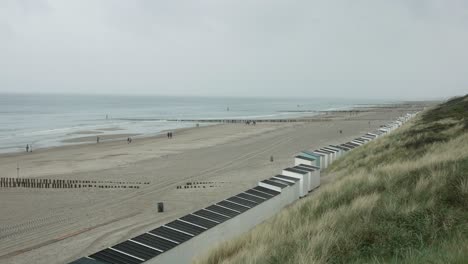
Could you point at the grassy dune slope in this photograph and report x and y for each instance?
(400, 199)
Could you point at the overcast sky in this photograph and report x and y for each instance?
(398, 49)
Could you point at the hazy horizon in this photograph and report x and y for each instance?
(394, 50)
(377, 100)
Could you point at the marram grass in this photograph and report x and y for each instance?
(402, 198)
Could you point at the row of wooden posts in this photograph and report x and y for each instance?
(203, 184)
(195, 186)
(242, 121)
(62, 184)
(196, 183)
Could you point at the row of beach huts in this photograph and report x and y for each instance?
(189, 236)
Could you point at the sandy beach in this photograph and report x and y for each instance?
(61, 225)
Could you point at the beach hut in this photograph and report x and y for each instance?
(303, 177)
(340, 150)
(333, 154)
(272, 185)
(314, 175)
(357, 142)
(328, 154)
(291, 180)
(364, 140)
(302, 159)
(319, 158)
(379, 133)
(323, 159)
(336, 151)
(371, 135)
(309, 171)
(354, 143)
(361, 140)
(350, 145)
(284, 181)
(384, 130)
(369, 138)
(343, 148)
(286, 178)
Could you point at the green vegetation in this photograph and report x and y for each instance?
(400, 199)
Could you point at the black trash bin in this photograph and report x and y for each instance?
(160, 207)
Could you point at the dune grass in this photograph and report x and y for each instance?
(402, 198)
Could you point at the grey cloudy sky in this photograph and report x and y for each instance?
(399, 49)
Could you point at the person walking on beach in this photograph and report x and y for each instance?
(97, 139)
(27, 147)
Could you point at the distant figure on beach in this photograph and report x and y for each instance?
(341, 131)
(129, 140)
(97, 139)
(27, 147)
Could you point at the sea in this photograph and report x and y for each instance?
(47, 120)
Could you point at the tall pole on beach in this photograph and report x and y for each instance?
(17, 170)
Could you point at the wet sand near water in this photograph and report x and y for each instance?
(101, 138)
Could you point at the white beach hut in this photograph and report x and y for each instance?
(314, 175)
(332, 154)
(337, 151)
(323, 159)
(305, 160)
(303, 177)
(328, 156)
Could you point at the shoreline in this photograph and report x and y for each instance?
(88, 137)
(103, 141)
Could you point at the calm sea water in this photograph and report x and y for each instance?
(47, 120)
